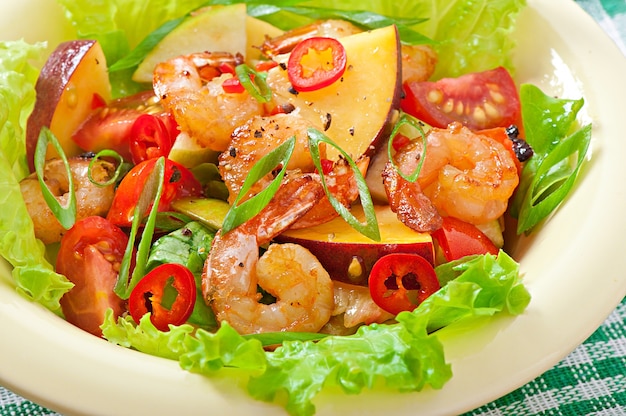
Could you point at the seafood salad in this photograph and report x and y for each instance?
(244, 185)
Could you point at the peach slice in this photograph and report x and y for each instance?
(71, 82)
(357, 110)
(347, 255)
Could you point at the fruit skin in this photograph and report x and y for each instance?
(71, 82)
(371, 84)
(348, 256)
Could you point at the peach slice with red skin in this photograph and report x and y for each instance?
(73, 80)
(358, 110)
(347, 255)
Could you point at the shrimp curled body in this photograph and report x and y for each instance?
(467, 175)
(190, 89)
(91, 199)
(289, 272)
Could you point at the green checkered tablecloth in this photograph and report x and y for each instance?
(589, 381)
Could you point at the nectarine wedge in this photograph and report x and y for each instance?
(348, 255)
(356, 111)
(72, 80)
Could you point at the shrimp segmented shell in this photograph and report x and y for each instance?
(289, 272)
(199, 103)
(467, 175)
(91, 199)
(405, 198)
(257, 137)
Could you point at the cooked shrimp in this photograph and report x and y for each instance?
(233, 270)
(91, 199)
(199, 103)
(342, 184)
(284, 43)
(467, 175)
(257, 137)
(418, 62)
(406, 198)
(355, 305)
(260, 135)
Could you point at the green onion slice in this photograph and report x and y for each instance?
(151, 194)
(254, 83)
(119, 170)
(404, 121)
(240, 213)
(370, 228)
(66, 214)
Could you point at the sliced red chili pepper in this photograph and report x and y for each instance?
(150, 295)
(232, 86)
(458, 239)
(401, 281)
(149, 138)
(316, 63)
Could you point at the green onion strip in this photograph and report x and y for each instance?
(66, 214)
(254, 83)
(151, 194)
(240, 213)
(370, 228)
(406, 119)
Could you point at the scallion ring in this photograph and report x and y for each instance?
(118, 170)
(404, 120)
(65, 214)
(370, 228)
(254, 82)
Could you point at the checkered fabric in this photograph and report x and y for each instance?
(590, 381)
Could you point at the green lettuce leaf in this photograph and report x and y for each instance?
(469, 35)
(560, 148)
(189, 246)
(479, 286)
(34, 275)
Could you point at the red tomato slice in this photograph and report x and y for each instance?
(401, 281)
(480, 100)
(308, 67)
(110, 127)
(149, 296)
(89, 256)
(178, 182)
(149, 138)
(458, 239)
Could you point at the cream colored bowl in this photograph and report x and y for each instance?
(574, 267)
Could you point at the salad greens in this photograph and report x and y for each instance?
(551, 130)
(484, 286)
(470, 35)
(34, 275)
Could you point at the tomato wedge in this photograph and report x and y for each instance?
(109, 127)
(90, 255)
(316, 63)
(480, 100)
(401, 281)
(151, 295)
(458, 239)
(149, 138)
(178, 182)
